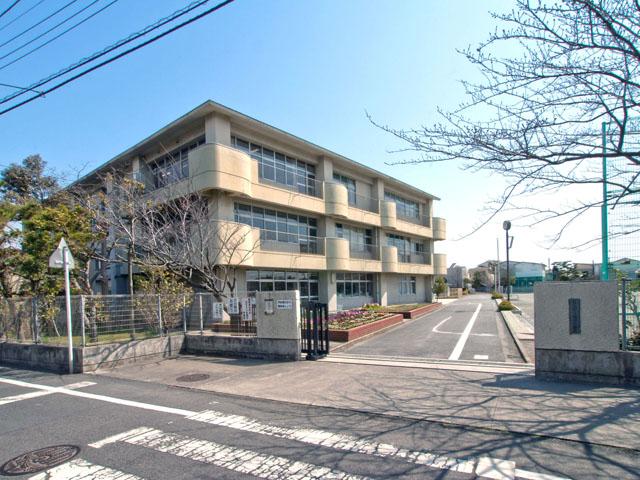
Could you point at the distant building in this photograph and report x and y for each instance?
(456, 275)
(525, 273)
(628, 267)
(588, 271)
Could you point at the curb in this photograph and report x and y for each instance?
(516, 340)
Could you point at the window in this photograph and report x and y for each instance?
(273, 281)
(350, 183)
(174, 166)
(280, 226)
(279, 168)
(403, 244)
(407, 285)
(404, 207)
(354, 284)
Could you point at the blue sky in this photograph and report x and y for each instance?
(309, 67)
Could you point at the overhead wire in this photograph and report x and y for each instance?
(37, 24)
(18, 17)
(8, 9)
(51, 40)
(120, 55)
(132, 37)
(59, 24)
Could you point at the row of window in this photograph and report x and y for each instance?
(280, 226)
(274, 281)
(405, 247)
(355, 235)
(280, 168)
(174, 166)
(348, 182)
(404, 207)
(354, 284)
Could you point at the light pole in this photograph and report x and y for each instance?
(507, 225)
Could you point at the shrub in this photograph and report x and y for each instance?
(505, 305)
(495, 295)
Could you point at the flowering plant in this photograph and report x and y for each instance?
(347, 319)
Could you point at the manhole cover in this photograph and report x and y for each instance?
(194, 377)
(39, 460)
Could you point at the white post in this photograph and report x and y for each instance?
(67, 295)
(201, 319)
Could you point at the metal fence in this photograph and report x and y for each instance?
(629, 295)
(100, 319)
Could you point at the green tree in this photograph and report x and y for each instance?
(566, 271)
(440, 286)
(477, 280)
(27, 182)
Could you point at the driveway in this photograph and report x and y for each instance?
(467, 329)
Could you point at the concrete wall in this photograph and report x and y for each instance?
(392, 283)
(244, 347)
(54, 358)
(599, 316)
(593, 354)
(51, 358)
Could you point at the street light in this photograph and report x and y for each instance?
(507, 225)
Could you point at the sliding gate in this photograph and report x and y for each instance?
(315, 330)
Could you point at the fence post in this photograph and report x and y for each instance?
(36, 320)
(160, 315)
(624, 314)
(184, 313)
(82, 318)
(201, 319)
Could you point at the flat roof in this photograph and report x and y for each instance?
(209, 107)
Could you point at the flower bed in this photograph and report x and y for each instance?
(351, 324)
(409, 310)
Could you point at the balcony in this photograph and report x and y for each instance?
(439, 228)
(439, 264)
(422, 220)
(364, 203)
(310, 246)
(364, 251)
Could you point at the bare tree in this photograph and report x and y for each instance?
(536, 116)
(175, 228)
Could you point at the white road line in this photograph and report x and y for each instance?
(351, 444)
(119, 437)
(79, 469)
(325, 438)
(435, 329)
(41, 393)
(457, 351)
(101, 398)
(481, 357)
(234, 459)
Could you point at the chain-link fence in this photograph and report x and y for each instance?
(121, 318)
(630, 314)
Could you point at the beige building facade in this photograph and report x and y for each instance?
(340, 232)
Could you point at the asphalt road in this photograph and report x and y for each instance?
(126, 430)
(467, 329)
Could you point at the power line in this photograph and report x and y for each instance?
(163, 21)
(21, 15)
(20, 88)
(44, 44)
(50, 30)
(9, 8)
(120, 55)
(38, 23)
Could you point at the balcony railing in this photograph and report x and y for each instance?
(365, 251)
(414, 257)
(364, 203)
(423, 220)
(307, 245)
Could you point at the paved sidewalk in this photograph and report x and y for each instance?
(512, 402)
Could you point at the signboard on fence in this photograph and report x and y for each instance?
(234, 306)
(246, 309)
(284, 304)
(218, 310)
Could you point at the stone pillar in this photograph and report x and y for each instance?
(324, 169)
(278, 324)
(217, 129)
(327, 290)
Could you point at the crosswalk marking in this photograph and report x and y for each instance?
(41, 393)
(79, 469)
(231, 458)
(490, 468)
